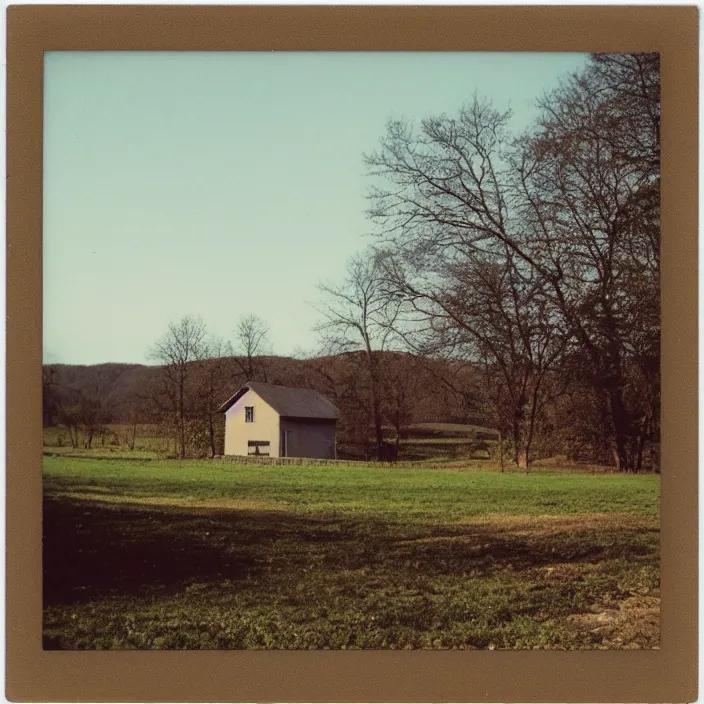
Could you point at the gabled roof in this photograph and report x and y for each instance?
(287, 402)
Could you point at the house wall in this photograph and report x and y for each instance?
(265, 425)
(314, 439)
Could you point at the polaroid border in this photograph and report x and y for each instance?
(664, 675)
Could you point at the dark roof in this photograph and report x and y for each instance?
(288, 402)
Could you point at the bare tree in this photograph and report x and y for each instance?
(589, 177)
(50, 396)
(487, 313)
(573, 207)
(359, 314)
(69, 413)
(507, 319)
(82, 411)
(134, 408)
(400, 379)
(176, 351)
(93, 417)
(216, 373)
(251, 345)
(345, 380)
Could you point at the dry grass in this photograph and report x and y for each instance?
(109, 497)
(633, 625)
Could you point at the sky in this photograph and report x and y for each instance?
(224, 184)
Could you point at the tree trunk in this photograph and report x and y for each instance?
(653, 461)
(182, 420)
(211, 431)
(518, 419)
(531, 423)
(501, 450)
(378, 429)
(516, 437)
(376, 402)
(621, 428)
(73, 435)
(639, 451)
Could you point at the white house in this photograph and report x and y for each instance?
(279, 421)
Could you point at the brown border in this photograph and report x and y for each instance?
(666, 675)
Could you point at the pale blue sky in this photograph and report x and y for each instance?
(222, 184)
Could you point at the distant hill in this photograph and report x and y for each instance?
(411, 385)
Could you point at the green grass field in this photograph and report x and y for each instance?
(207, 554)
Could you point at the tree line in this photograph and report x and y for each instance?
(513, 281)
(178, 397)
(534, 258)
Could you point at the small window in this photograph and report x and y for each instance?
(259, 447)
(249, 414)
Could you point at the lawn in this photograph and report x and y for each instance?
(206, 554)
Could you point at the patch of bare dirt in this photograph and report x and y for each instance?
(634, 625)
(566, 572)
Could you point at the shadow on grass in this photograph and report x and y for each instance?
(95, 548)
(92, 548)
